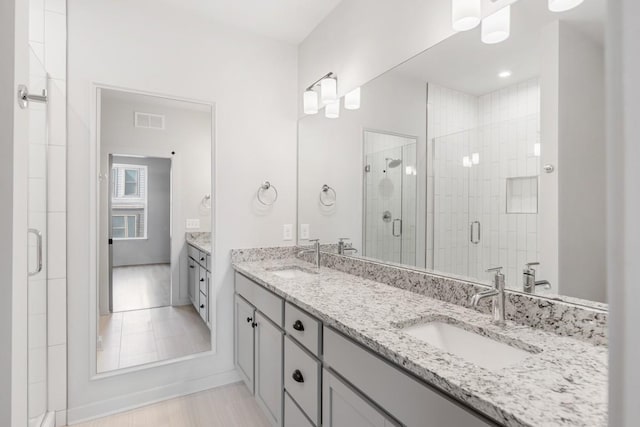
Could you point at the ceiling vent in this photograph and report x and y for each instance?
(149, 121)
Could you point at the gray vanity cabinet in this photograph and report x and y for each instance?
(199, 281)
(268, 368)
(192, 280)
(344, 407)
(244, 340)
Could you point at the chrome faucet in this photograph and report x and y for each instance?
(315, 251)
(529, 283)
(342, 246)
(497, 293)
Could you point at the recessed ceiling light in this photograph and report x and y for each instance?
(504, 74)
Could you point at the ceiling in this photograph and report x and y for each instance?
(464, 63)
(290, 21)
(157, 101)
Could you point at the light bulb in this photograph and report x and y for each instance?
(466, 162)
(465, 14)
(310, 102)
(352, 100)
(329, 90)
(563, 5)
(504, 74)
(475, 158)
(497, 26)
(332, 111)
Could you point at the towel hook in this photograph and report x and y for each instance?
(266, 186)
(326, 190)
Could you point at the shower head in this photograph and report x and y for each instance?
(393, 163)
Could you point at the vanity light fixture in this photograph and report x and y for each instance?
(332, 111)
(497, 26)
(310, 101)
(504, 74)
(465, 14)
(563, 5)
(352, 100)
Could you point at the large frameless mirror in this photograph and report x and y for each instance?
(155, 223)
(471, 156)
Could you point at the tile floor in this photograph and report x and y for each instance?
(229, 406)
(137, 337)
(141, 286)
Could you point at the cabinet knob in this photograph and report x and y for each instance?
(201, 305)
(298, 326)
(201, 259)
(249, 319)
(254, 324)
(297, 376)
(202, 279)
(192, 266)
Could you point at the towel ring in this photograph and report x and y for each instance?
(326, 190)
(266, 186)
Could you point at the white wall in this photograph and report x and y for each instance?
(14, 69)
(623, 205)
(252, 81)
(331, 150)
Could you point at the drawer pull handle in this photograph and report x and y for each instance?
(298, 326)
(249, 319)
(297, 376)
(254, 324)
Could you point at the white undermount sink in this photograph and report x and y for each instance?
(292, 272)
(470, 346)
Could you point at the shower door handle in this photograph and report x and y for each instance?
(38, 235)
(393, 228)
(472, 228)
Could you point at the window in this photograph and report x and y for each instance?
(129, 201)
(124, 226)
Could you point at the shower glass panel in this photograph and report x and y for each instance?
(37, 283)
(389, 197)
(473, 229)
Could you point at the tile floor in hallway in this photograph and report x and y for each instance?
(141, 286)
(229, 406)
(137, 337)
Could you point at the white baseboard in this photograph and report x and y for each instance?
(127, 402)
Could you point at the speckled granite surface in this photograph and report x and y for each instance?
(200, 240)
(564, 384)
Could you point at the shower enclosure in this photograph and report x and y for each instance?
(389, 208)
(485, 198)
(37, 242)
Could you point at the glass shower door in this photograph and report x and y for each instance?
(37, 243)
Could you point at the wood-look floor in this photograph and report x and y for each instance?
(141, 286)
(229, 406)
(137, 337)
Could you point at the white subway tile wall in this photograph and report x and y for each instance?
(502, 129)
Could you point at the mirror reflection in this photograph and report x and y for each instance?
(472, 156)
(155, 229)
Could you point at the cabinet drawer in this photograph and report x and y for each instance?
(208, 266)
(202, 281)
(302, 379)
(305, 328)
(203, 307)
(411, 402)
(293, 416)
(268, 303)
(193, 252)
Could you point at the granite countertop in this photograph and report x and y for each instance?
(200, 240)
(564, 384)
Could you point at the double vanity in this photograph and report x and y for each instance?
(325, 347)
